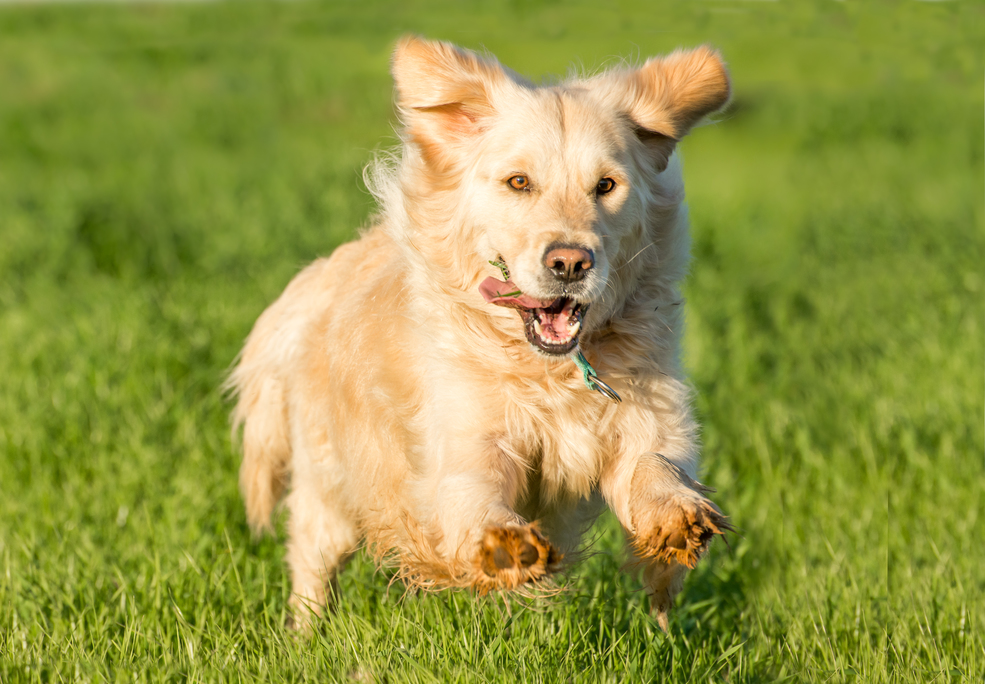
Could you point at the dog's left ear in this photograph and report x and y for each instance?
(443, 95)
(668, 95)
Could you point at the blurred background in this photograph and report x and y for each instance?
(166, 168)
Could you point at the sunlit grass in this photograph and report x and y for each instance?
(164, 171)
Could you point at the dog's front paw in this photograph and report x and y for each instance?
(678, 528)
(513, 555)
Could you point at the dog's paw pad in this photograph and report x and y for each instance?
(529, 554)
(511, 556)
(680, 530)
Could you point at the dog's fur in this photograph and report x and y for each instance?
(400, 408)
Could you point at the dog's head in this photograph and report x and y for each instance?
(540, 198)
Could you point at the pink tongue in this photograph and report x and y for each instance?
(507, 294)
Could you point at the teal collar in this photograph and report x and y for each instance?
(592, 381)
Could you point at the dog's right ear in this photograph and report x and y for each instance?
(443, 95)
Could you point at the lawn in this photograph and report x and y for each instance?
(166, 169)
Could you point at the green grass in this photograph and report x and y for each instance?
(164, 170)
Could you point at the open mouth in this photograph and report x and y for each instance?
(550, 325)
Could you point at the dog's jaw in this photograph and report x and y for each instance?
(554, 330)
(551, 326)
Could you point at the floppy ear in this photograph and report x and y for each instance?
(443, 95)
(667, 96)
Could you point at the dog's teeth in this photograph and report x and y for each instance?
(573, 328)
(537, 329)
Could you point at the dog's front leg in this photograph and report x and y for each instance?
(667, 517)
(466, 501)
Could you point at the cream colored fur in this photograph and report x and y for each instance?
(398, 408)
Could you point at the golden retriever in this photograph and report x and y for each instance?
(467, 384)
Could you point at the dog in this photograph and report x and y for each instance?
(466, 386)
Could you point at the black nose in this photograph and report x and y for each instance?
(569, 263)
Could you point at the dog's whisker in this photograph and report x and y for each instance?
(643, 249)
(610, 286)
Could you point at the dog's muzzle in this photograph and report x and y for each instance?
(550, 325)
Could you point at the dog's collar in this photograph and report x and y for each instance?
(592, 381)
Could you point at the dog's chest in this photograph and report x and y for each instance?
(562, 444)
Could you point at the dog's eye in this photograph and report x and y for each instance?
(519, 182)
(605, 186)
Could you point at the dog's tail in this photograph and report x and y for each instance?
(262, 381)
(262, 413)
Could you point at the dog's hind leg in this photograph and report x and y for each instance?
(321, 537)
(566, 521)
(662, 583)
